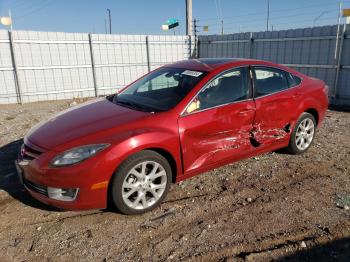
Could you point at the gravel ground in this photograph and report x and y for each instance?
(271, 207)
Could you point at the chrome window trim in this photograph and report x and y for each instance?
(256, 98)
(250, 69)
(217, 106)
(206, 84)
(273, 67)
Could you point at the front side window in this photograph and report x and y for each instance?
(269, 80)
(160, 90)
(227, 88)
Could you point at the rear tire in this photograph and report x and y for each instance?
(141, 183)
(303, 134)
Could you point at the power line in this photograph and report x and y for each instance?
(18, 4)
(277, 18)
(262, 27)
(271, 12)
(46, 3)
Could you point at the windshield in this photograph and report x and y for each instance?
(161, 90)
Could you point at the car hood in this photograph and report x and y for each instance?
(81, 121)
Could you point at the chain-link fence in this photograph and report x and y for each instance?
(38, 66)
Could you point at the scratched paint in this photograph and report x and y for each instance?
(268, 135)
(225, 142)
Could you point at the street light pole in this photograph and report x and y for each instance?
(110, 20)
(268, 15)
(11, 26)
(222, 27)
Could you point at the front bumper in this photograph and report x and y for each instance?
(40, 180)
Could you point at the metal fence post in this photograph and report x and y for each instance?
(198, 50)
(339, 65)
(148, 55)
(93, 65)
(189, 46)
(15, 72)
(251, 43)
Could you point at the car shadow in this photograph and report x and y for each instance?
(337, 250)
(339, 108)
(9, 181)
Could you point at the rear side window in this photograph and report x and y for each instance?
(293, 80)
(269, 80)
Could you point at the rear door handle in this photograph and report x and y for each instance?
(246, 111)
(296, 95)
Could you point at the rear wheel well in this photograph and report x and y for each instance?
(314, 113)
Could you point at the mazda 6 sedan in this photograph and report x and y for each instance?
(177, 121)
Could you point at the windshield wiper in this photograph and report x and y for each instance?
(114, 99)
(131, 105)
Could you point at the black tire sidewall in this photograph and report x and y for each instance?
(123, 170)
(292, 147)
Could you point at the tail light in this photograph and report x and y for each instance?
(326, 89)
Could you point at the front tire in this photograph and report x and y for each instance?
(141, 183)
(303, 134)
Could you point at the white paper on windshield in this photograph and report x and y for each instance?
(192, 73)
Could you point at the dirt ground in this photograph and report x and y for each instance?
(272, 207)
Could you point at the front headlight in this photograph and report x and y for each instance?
(77, 155)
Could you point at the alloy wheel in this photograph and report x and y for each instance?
(144, 185)
(305, 134)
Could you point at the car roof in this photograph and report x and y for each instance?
(209, 64)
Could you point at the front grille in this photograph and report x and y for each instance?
(29, 153)
(35, 187)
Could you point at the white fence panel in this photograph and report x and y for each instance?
(59, 65)
(7, 81)
(119, 60)
(53, 65)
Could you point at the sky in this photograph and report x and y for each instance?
(147, 16)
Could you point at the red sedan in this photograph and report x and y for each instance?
(175, 122)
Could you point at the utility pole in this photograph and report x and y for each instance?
(338, 31)
(110, 20)
(268, 15)
(188, 17)
(222, 27)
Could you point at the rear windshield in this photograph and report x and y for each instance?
(159, 91)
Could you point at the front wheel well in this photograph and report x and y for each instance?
(314, 113)
(169, 157)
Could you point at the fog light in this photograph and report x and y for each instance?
(63, 194)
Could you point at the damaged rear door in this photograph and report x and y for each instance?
(216, 125)
(275, 103)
